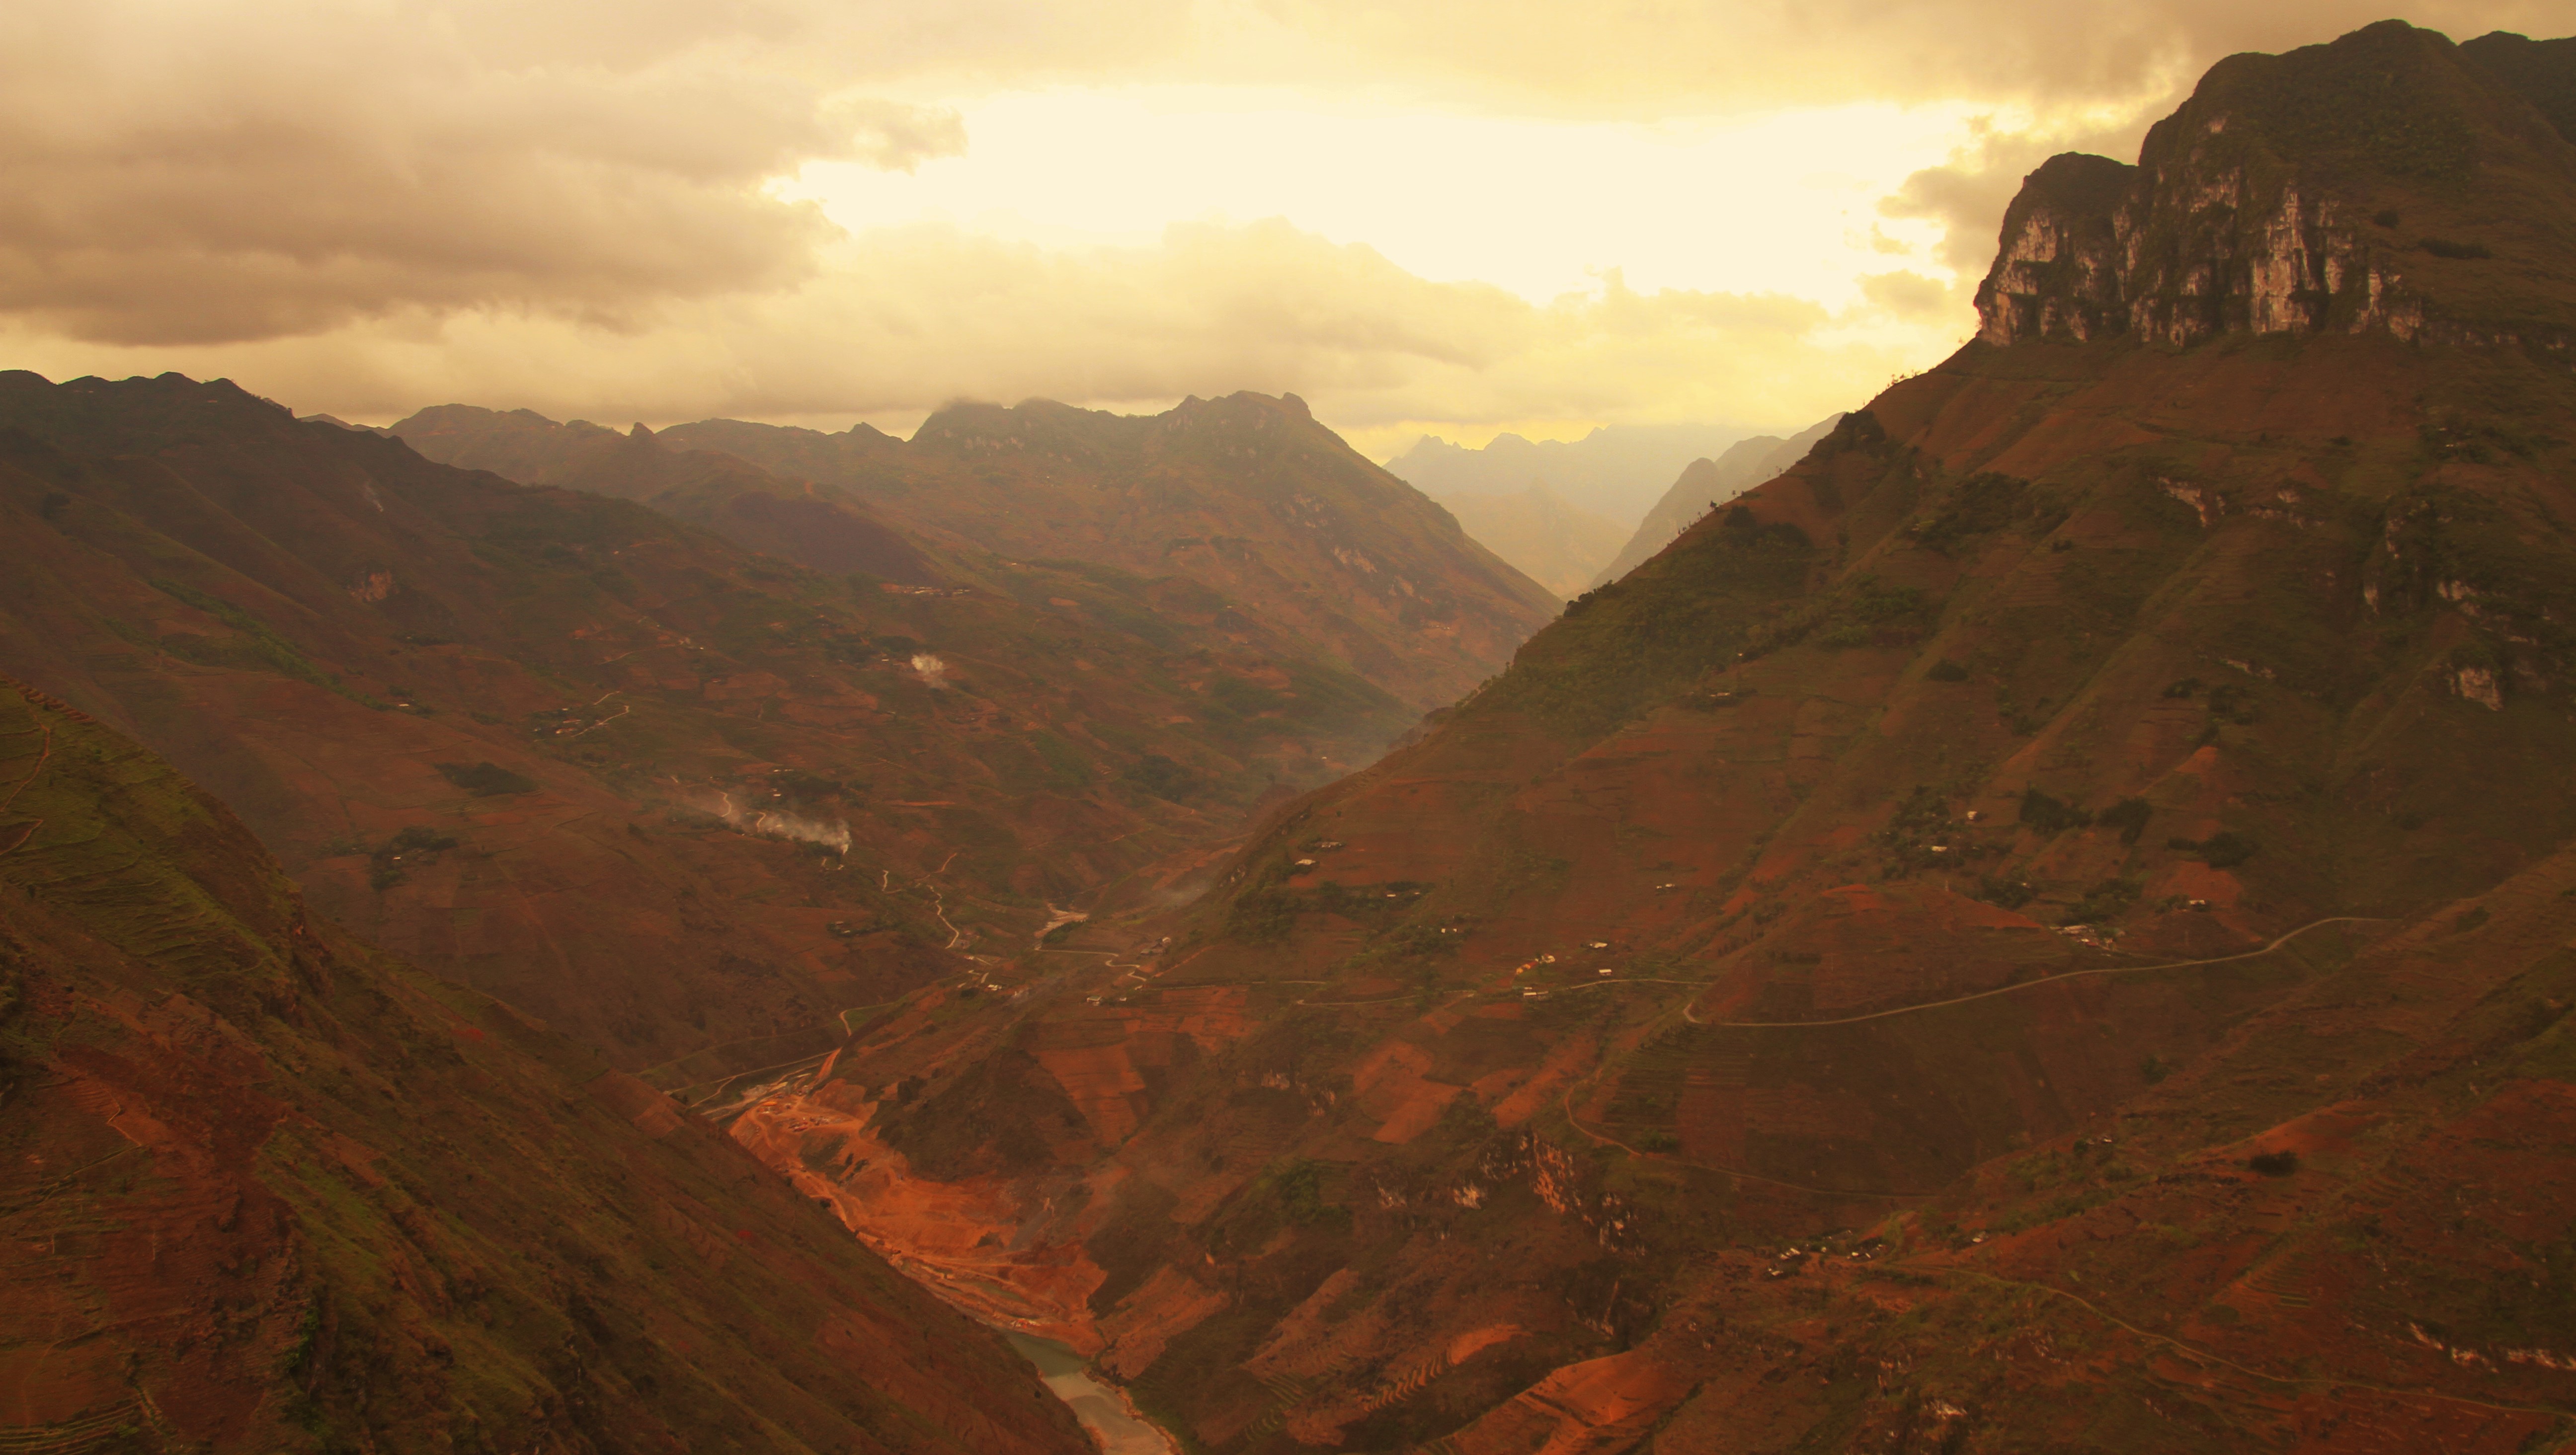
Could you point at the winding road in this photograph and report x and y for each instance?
(1875, 1015)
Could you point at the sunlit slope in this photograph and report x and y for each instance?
(528, 736)
(271, 1189)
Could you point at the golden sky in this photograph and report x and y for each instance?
(1446, 217)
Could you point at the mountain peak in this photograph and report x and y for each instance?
(2389, 182)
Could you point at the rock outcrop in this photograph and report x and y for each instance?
(2381, 184)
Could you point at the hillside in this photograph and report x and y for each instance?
(1704, 485)
(2041, 927)
(737, 500)
(673, 796)
(1616, 471)
(1245, 496)
(1559, 546)
(270, 1189)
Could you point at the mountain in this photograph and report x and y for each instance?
(634, 779)
(737, 500)
(1246, 496)
(269, 1188)
(1615, 471)
(1704, 485)
(2042, 927)
(1559, 546)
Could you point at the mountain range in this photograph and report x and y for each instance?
(1705, 484)
(1560, 546)
(2040, 924)
(648, 784)
(1246, 496)
(1615, 471)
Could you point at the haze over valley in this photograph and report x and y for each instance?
(1262, 729)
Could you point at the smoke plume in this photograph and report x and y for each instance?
(773, 824)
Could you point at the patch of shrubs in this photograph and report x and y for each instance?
(2129, 816)
(2223, 850)
(2050, 814)
(408, 845)
(486, 780)
(2004, 893)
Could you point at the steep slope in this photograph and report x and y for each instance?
(1245, 495)
(1559, 546)
(1616, 471)
(269, 1189)
(2152, 724)
(1703, 486)
(668, 794)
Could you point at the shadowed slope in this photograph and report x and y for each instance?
(1246, 495)
(562, 747)
(268, 1189)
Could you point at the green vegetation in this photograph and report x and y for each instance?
(255, 645)
(1979, 505)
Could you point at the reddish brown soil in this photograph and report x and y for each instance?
(266, 1188)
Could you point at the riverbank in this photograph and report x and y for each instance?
(1104, 1409)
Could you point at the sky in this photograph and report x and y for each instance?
(1441, 218)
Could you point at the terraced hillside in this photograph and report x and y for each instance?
(667, 793)
(1247, 496)
(2040, 928)
(266, 1188)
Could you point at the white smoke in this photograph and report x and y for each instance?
(772, 824)
(933, 671)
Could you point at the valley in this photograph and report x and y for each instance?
(1986, 977)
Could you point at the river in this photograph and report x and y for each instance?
(1100, 1409)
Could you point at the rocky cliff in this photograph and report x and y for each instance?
(2389, 183)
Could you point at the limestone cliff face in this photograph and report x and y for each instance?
(2382, 184)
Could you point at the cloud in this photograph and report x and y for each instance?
(897, 321)
(364, 206)
(1702, 56)
(1908, 295)
(182, 172)
(1967, 195)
